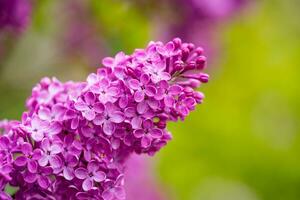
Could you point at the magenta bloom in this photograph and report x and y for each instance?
(147, 133)
(50, 154)
(142, 88)
(89, 175)
(75, 138)
(29, 157)
(88, 106)
(41, 177)
(67, 169)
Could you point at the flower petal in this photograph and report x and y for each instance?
(99, 107)
(37, 154)
(150, 90)
(89, 115)
(156, 133)
(139, 96)
(29, 177)
(108, 61)
(37, 136)
(44, 114)
(175, 90)
(99, 176)
(55, 128)
(32, 166)
(45, 144)
(108, 128)
(142, 107)
(123, 102)
(21, 161)
(134, 84)
(92, 78)
(147, 124)
(56, 148)
(130, 112)
(113, 91)
(87, 131)
(81, 173)
(89, 98)
(74, 123)
(138, 133)
(87, 184)
(26, 148)
(92, 166)
(68, 173)
(87, 155)
(108, 195)
(43, 161)
(55, 161)
(145, 142)
(136, 122)
(43, 182)
(117, 117)
(99, 120)
(81, 106)
(169, 101)
(145, 79)
(4, 141)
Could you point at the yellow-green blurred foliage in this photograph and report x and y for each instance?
(243, 143)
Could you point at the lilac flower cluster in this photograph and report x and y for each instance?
(74, 139)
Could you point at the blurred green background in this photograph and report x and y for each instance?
(243, 143)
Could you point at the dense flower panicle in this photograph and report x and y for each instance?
(75, 138)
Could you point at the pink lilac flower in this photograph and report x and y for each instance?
(37, 128)
(142, 88)
(147, 133)
(50, 154)
(71, 146)
(90, 175)
(106, 92)
(168, 93)
(29, 157)
(41, 177)
(111, 116)
(75, 138)
(67, 169)
(119, 60)
(56, 113)
(88, 106)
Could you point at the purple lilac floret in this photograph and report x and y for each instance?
(14, 14)
(75, 137)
